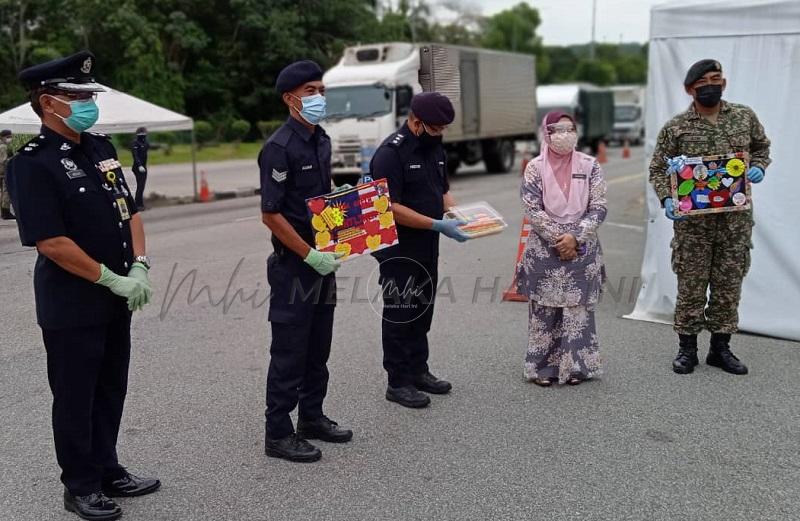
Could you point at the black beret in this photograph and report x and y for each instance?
(5, 132)
(699, 69)
(433, 108)
(296, 74)
(73, 73)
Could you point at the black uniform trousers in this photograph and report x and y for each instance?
(141, 179)
(409, 291)
(87, 368)
(301, 318)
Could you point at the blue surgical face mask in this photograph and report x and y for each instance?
(85, 114)
(314, 108)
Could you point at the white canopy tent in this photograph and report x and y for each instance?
(758, 44)
(120, 113)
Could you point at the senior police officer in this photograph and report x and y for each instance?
(91, 272)
(295, 165)
(414, 163)
(712, 251)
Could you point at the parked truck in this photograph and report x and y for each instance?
(369, 96)
(591, 106)
(628, 114)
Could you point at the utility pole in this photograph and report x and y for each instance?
(594, 24)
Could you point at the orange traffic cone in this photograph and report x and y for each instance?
(626, 150)
(511, 294)
(602, 155)
(205, 193)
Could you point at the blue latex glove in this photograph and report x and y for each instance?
(669, 210)
(323, 263)
(343, 187)
(755, 174)
(450, 228)
(676, 164)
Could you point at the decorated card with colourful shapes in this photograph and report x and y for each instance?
(710, 184)
(356, 221)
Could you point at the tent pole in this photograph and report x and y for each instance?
(194, 164)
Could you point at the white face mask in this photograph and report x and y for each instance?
(563, 142)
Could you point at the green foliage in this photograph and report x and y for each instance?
(267, 128)
(203, 132)
(239, 129)
(217, 61)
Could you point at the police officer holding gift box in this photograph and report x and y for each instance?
(709, 251)
(74, 206)
(295, 164)
(413, 161)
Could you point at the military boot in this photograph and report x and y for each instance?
(720, 355)
(686, 360)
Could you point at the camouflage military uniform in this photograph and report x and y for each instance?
(5, 199)
(711, 250)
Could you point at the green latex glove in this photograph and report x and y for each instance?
(140, 272)
(128, 287)
(323, 263)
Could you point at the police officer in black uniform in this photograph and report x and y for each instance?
(414, 162)
(295, 164)
(91, 272)
(139, 149)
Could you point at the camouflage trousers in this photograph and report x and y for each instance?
(710, 256)
(5, 198)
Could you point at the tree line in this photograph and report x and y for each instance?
(217, 60)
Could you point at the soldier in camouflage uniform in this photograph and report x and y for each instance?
(710, 250)
(5, 156)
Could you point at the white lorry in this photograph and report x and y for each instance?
(369, 94)
(628, 114)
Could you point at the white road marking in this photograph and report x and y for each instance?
(626, 226)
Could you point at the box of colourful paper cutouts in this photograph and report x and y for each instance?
(710, 184)
(355, 221)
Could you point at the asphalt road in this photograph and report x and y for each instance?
(641, 443)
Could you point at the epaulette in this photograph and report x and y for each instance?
(281, 136)
(31, 147)
(396, 139)
(98, 134)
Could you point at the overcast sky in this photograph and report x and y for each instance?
(570, 21)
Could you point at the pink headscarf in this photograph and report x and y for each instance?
(567, 204)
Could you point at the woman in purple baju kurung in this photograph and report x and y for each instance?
(562, 272)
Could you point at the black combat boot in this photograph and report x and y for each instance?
(720, 355)
(686, 360)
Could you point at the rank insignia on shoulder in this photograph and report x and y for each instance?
(279, 177)
(397, 138)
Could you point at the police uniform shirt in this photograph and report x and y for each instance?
(295, 164)
(60, 188)
(417, 178)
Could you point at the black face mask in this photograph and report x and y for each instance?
(708, 95)
(428, 141)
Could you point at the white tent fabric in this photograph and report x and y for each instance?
(758, 44)
(120, 113)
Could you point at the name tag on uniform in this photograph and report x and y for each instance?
(75, 174)
(414, 167)
(579, 176)
(695, 138)
(122, 206)
(307, 167)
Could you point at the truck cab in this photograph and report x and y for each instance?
(369, 95)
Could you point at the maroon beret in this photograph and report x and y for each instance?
(433, 108)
